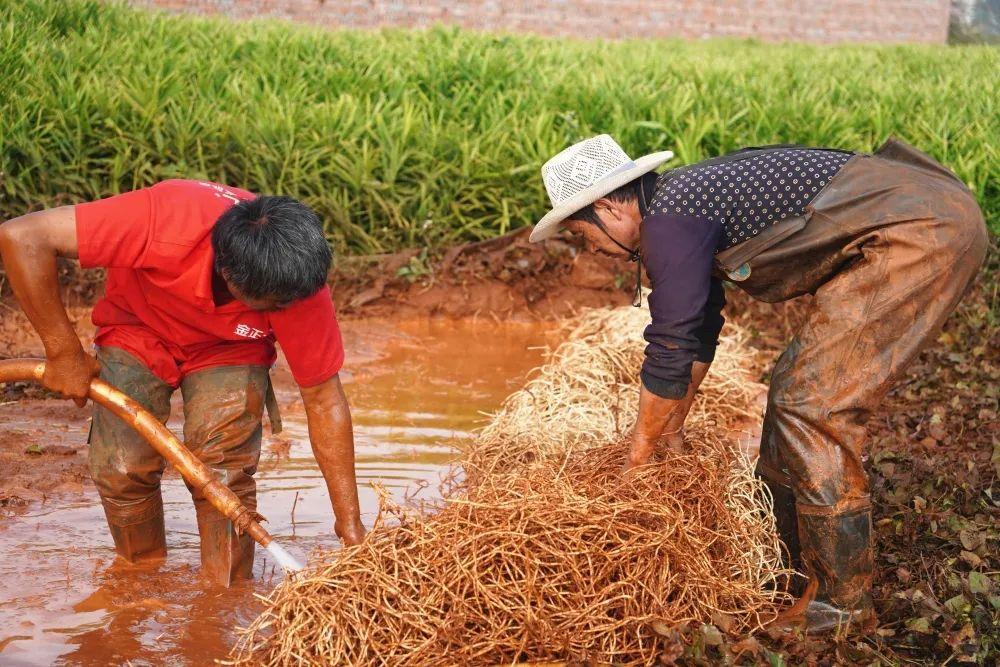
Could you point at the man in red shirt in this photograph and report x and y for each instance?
(202, 280)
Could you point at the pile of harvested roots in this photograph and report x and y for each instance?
(587, 393)
(554, 555)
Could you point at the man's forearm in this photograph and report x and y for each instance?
(660, 417)
(675, 425)
(654, 413)
(29, 246)
(332, 436)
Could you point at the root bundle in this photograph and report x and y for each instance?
(546, 551)
(587, 393)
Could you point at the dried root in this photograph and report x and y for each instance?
(546, 551)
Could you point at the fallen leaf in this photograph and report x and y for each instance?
(971, 540)
(957, 604)
(722, 621)
(971, 559)
(920, 624)
(937, 432)
(748, 645)
(979, 583)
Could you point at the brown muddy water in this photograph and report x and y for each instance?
(417, 389)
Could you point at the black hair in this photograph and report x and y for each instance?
(272, 247)
(623, 193)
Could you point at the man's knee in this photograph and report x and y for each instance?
(964, 237)
(122, 464)
(223, 408)
(124, 467)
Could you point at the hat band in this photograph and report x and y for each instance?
(614, 172)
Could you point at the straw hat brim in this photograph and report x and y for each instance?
(548, 226)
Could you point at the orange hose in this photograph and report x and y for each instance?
(162, 440)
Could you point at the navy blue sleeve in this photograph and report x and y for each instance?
(711, 324)
(678, 251)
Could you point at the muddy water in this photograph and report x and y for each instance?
(416, 388)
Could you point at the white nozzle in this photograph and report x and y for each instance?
(285, 559)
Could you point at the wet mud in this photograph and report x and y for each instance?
(505, 277)
(66, 600)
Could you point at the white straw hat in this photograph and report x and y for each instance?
(585, 172)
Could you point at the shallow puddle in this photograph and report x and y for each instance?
(417, 389)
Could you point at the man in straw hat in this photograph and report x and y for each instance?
(887, 243)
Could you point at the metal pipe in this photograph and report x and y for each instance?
(166, 443)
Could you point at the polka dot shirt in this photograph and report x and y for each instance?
(748, 195)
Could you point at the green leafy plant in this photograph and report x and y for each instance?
(383, 131)
(417, 267)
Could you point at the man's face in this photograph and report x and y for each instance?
(620, 224)
(263, 304)
(594, 239)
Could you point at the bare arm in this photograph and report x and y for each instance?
(29, 246)
(332, 437)
(662, 417)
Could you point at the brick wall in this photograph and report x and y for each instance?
(771, 20)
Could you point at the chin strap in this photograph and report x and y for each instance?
(633, 256)
(633, 253)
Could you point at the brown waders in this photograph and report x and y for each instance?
(223, 407)
(888, 248)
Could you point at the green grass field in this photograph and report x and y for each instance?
(403, 138)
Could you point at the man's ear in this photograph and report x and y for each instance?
(613, 209)
(605, 204)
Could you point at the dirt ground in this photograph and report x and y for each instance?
(934, 459)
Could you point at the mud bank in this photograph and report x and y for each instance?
(506, 277)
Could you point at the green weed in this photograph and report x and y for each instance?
(409, 138)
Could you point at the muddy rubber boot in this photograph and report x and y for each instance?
(225, 556)
(785, 518)
(137, 528)
(838, 558)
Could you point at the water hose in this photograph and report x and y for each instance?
(173, 450)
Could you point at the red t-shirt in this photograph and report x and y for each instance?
(156, 244)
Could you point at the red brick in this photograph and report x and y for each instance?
(771, 20)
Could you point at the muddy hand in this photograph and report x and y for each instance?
(70, 375)
(350, 535)
(675, 441)
(639, 453)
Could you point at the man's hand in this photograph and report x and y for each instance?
(70, 374)
(662, 418)
(351, 534)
